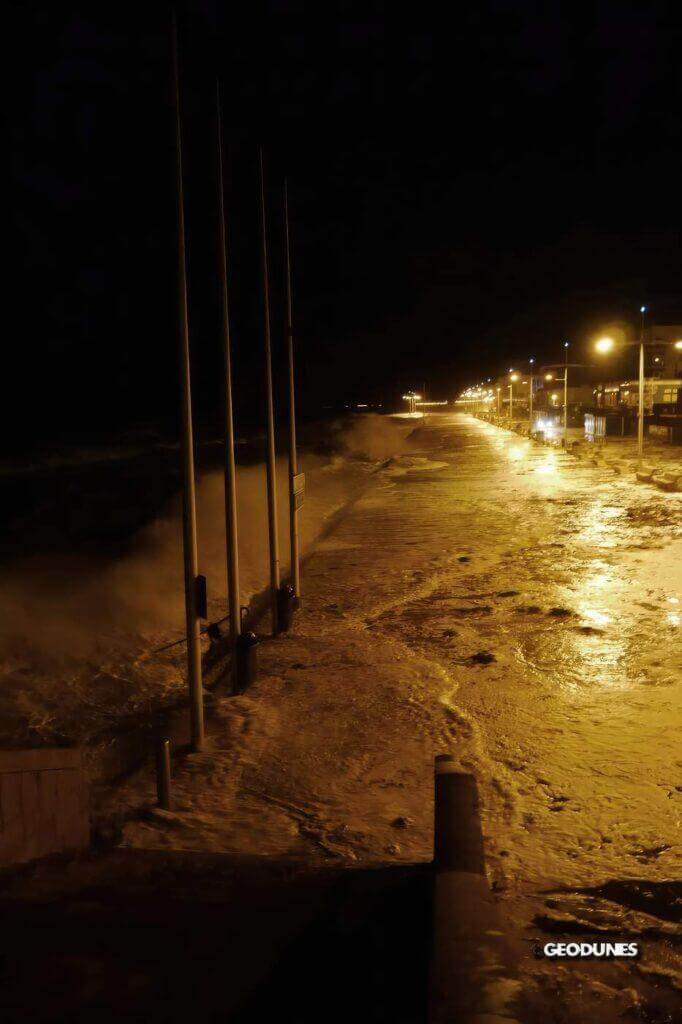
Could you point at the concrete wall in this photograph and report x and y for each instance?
(43, 804)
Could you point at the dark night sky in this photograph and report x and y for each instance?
(471, 184)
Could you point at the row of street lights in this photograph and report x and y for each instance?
(603, 346)
(413, 399)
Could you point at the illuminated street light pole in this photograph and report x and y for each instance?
(565, 392)
(189, 511)
(499, 400)
(564, 380)
(565, 366)
(530, 397)
(512, 377)
(606, 345)
(412, 398)
(640, 415)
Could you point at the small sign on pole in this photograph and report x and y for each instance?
(298, 486)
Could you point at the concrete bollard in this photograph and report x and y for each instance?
(470, 979)
(667, 482)
(644, 474)
(457, 837)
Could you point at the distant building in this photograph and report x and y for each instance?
(624, 395)
(551, 396)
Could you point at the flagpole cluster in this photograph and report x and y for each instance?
(282, 598)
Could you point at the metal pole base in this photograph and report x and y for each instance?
(163, 775)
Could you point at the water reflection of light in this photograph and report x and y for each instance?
(516, 453)
(547, 466)
(596, 523)
(673, 600)
(598, 594)
(674, 619)
(595, 616)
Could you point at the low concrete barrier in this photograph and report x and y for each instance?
(43, 804)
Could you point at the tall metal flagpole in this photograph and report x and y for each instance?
(189, 515)
(293, 455)
(270, 461)
(232, 547)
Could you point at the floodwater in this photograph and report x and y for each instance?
(508, 604)
(574, 585)
(503, 602)
(561, 631)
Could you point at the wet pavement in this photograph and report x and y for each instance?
(572, 583)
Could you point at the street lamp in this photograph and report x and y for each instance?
(565, 392)
(640, 416)
(606, 344)
(512, 377)
(530, 397)
(499, 399)
(563, 380)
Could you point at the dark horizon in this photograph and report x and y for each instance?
(462, 198)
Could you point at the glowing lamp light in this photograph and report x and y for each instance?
(642, 309)
(678, 345)
(514, 377)
(604, 345)
(549, 376)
